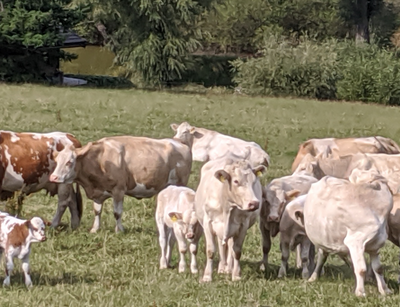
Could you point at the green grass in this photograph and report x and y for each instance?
(108, 269)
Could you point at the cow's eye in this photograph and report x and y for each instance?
(236, 182)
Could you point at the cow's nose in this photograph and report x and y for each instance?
(53, 178)
(44, 238)
(273, 218)
(190, 235)
(254, 205)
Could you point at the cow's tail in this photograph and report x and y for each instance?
(79, 205)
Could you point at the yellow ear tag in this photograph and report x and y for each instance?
(259, 173)
(222, 178)
(174, 218)
(291, 198)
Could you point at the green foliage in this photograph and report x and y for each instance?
(152, 37)
(27, 29)
(304, 71)
(103, 81)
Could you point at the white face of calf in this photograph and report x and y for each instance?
(36, 228)
(276, 200)
(65, 169)
(184, 132)
(244, 188)
(186, 223)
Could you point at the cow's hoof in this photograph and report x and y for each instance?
(312, 278)
(386, 291)
(93, 230)
(305, 275)
(194, 271)
(360, 293)
(236, 278)
(206, 279)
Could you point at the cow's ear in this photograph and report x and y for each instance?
(192, 130)
(83, 150)
(55, 154)
(222, 176)
(174, 127)
(175, 216)
(292, 194)
(299, 216)
(46, 222)
(259, 170)
(27, 223)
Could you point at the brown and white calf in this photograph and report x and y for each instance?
(124, 165)
(16, 236)
(177, 221)
(292, 234)
(25, 165)
(227, 202)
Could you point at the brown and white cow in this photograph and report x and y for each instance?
(278, 193)
(25, 165)
(344, 218)
(16, 236)
(228, 201)
(209, 145)
(335, 148)
(123, 165)
(176, 220)
(292, 234)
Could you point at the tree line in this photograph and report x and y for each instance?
(157, 41)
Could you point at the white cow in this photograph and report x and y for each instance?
(344, 218)
(176, 220)
(209, 145)
(227, 203)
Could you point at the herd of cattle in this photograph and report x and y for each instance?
(342, 196)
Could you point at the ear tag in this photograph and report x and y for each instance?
(174, 218)
(292, 198)
(222, 178)
(259, 173)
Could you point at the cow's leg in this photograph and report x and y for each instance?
(322, 256)
(9, 268)
(266, 244)
(223, 251)
(378, 270)
(62, 192)
(171, 242)
(25, 268)
(237, 253)
(210, 250)
(398, 279)
(311, 257)
(66, 198)
(193, 253)
(118, 201)
(299, 262)
(229, 257)
(97, 208)
(285, 251)
(305, 257)
(360, 268)
(182, 247)
(162, 239)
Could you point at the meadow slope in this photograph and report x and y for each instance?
(107, 269)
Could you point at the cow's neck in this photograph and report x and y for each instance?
(188, 142)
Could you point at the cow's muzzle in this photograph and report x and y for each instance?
(54, 178)
(253, 206)
(273, 218)
(190, 236)
(43, 239)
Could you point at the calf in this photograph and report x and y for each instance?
(176, 220)
(292, 234)
(344, 218)
(227, 203)
(16, 236)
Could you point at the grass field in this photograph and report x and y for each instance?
(107, 269)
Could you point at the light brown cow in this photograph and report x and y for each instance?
(335, 148)
(25, 165)
(123, 165)
(176, 220)
(16, 237)
(209, 145)
(344, 218)
(227, 202)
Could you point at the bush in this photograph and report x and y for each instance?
(103, 81)
(304, 71)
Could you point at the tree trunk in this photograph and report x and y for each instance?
(362, 25)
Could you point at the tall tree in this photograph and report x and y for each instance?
(151, 37)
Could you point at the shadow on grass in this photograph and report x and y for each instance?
(44, 280)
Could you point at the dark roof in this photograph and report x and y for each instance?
(73, 40)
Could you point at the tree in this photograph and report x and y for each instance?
(27, 29)
(152, 38)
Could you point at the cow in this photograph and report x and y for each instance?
(26, 163)
(394, 224)
(227, 202)
(343, 217)
(123, 165)
(177, 221)
(16, 236)
(209, 145)
(292, 234)
(277, 195)
(331, 147)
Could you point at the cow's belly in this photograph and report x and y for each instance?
(141, 191)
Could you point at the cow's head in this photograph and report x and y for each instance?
(186, 223)
(242, 183)
(36, 228)
(65, 171)
(185, 133)
(309, 165)
(276, 200)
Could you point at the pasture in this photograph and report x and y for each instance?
(76, 268)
